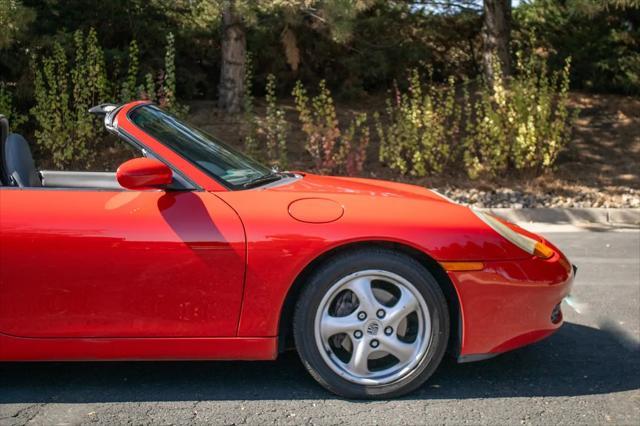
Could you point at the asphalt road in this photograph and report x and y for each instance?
(588, 372)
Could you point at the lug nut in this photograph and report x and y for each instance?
(381, 313)
(388, 331)
(362, 315)
(374, 343)
(357, 334)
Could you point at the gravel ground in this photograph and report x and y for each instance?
(586, 373)
(506, 197)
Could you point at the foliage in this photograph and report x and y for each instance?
(170, 51)
(64, 128)
(14, 18)
(422, 123)
(516, 125)
(8, 109)
(167, 97)
(251, 136)
(320, 123)
(266, 139)
(602, 37)
(65, 87)
(384, 41)
(522, 124)
(129, 85)
(163, 89)
(331, 149)
(353, 150)
(275, 127)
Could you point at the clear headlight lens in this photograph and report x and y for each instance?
(527, 244)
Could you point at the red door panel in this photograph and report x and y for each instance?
(77, 263)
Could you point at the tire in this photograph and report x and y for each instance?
(405, 313)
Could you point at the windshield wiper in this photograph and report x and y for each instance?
(262, 180)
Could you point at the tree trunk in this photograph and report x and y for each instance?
(234, 46)
(496, 33)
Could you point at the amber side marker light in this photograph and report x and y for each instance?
(542, 250)
(462, 266)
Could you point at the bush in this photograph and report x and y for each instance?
(320, 123)
(354, 147)
(162, 90)
(65, 88)
(64, 129)
(275, 127)
(8, 110)
(332, 150)
(422, 125)
(266, 139)
(521, 124)
(128, 90)
(601, 37)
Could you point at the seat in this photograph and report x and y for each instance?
(18, 163)
(4, 132)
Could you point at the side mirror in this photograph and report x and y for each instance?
(143, 173)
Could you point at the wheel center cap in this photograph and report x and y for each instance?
(372, 328)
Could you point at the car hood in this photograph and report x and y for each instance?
(331, 211)
(316, 184)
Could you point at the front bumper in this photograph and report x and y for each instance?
(510, 304)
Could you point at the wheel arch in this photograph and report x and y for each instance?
(285, 332)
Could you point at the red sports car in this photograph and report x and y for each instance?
(194, 251)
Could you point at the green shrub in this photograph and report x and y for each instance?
(66, 87)
(320, 123)
(486, 141)
(147, 89)
(421, 126)
(275, 126)
(520, 124)
(354, 145)
(266, 139)
(129, 85)
(332, 150)
(602, 38)
(162, 90)
(64, 129)
(251, 137)
(7, 109)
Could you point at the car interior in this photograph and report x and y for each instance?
(18, 169)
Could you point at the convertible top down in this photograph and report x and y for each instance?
(192, 250)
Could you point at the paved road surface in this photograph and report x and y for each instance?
(588, 372)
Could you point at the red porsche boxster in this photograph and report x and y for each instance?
(191, 250)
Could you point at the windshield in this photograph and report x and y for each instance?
(215, 158)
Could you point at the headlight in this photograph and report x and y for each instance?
(527, 244)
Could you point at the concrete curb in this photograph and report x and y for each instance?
(586, 216)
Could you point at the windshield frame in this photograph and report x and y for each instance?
(219, 179)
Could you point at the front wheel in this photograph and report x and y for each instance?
(371, 324)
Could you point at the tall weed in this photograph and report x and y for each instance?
(520, 124)
(332, 150)
(421, 125)
(64, 128)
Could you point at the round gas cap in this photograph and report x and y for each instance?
(315, 210)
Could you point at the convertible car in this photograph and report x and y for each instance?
(192, 251)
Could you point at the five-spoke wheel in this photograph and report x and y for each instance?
(372, 327)
(371, 323)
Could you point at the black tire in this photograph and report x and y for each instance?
(343, 265)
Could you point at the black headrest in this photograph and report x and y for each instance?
(4, 131)
(18, 162)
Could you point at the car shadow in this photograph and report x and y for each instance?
(577, 360)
